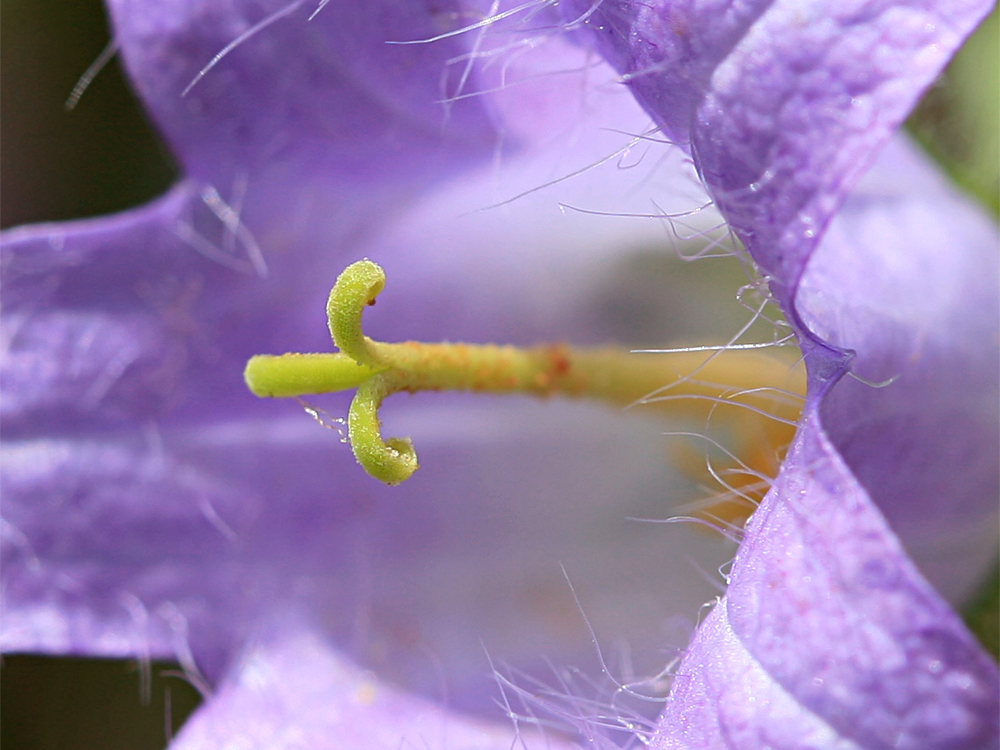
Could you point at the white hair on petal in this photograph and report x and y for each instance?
(83, 83)
(252, 31)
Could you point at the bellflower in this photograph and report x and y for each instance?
(153, 508)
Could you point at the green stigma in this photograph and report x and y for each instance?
(753, 392)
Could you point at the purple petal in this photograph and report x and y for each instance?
(713, 689)
(825, 613)
(798, 110)
(905, 279)
(298, 692)
(783, 107)
(789, 108)
(824, 608)
(857, 636)
(325, 100)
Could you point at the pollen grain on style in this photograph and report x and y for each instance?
(757, 395)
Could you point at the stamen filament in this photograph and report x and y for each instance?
(739, 386)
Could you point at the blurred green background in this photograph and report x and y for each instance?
(103, 156)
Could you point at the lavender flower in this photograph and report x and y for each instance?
(152, 508)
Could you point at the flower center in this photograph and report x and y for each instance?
(757, 395)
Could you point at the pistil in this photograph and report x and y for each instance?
(756, 394)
